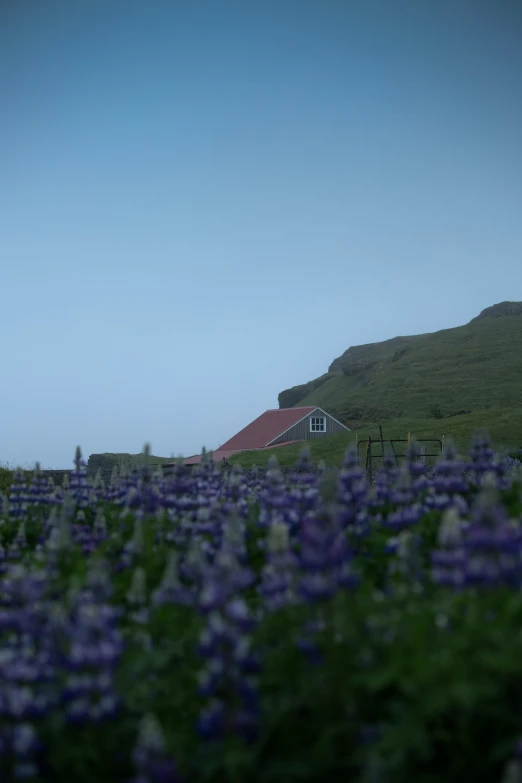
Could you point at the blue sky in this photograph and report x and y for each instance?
(205, 203)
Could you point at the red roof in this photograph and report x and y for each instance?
(265, 428)
(258, 434)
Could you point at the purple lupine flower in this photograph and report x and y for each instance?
(146, 496)
(91, 646)
(98, 585)
(379, 493)
(228, 678)
(303, 491)
(233, 536)
(27, 667)
(507, 471)
(407, 511)
(38, 488)
(18, 497)
(152, 762)
(138, 610)
(493, 543)
(273, 498)
(83, 534)
(449, 560)
(195, 564)
(24, 745)
(481, 453)
(254, 485)
(171, 589)
(134, 547)
(79, 487)
(490, 550)
(223, 579)
(279, 575)
(60, 536)
(352, 494)
(418, 470)
(99, 527)
(97, 491)
(15, 549)
(484, 460)
(324, 556)
(325, 567)
(234, 492)
(448, 487)
(119, 485)
(513, 466)
(407, 561)
(416, 465)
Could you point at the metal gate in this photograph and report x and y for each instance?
(371, 443)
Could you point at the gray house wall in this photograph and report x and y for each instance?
(301, 430)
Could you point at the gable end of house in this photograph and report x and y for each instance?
(301, 430)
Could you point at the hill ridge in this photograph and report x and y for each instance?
(500, 310)
(471, 367)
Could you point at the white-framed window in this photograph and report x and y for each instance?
(318, 424)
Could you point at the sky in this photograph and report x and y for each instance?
(205, 203)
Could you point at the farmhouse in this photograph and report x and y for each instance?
(278, 427)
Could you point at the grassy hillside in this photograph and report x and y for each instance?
(504, 426)
(476, 367)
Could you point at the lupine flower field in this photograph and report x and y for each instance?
(233, 627)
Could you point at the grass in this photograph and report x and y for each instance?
(476, 367)
(504, 427)
(129, 460)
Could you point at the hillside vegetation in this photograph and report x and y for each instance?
(476, 367)
(106, 462)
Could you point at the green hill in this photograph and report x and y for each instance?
(476, 367)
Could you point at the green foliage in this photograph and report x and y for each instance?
(6, 477)
(435, 412)
(476, 367)
(108, 461)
